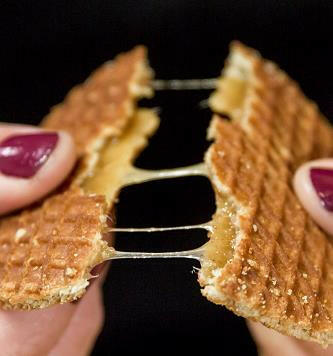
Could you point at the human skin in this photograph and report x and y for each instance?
(69, 329)
(17, 192)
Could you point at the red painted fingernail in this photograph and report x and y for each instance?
(322, 180)
(22, 156)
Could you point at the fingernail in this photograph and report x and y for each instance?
(322, 180)
(22, 156)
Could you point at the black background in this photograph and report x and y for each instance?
(49, 46)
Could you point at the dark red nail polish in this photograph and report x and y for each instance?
(22, 156)
(322, 180)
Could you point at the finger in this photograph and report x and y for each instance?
(40, 330)
(87, 321)
(32, 163)
(43, 330)
(272, 343)
(313, 183)
(84, 327)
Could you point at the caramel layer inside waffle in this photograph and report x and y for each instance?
(229, 96)
(227, 99)
(219, 249)
(115, 159)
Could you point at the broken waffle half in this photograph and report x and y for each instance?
(266, 259)
(47, 251)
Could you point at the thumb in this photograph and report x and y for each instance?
(313, 183)
(32, 163)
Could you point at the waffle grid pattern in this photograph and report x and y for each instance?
(48, 251)
(49, 247)
(279, 273)
(103, 104)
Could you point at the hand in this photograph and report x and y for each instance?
(313, 184)
(30, 167)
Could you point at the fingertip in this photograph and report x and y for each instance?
(85, 326)
(313, 184)
(22, 180)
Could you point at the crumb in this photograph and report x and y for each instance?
(255, 227)
(252, 263)
(305, 299)
(289, 292)
(70, 272)
(19, 234)
(245, 270)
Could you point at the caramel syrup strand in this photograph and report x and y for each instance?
(138, 175)
(206, 226)
(193, 254)
(185, 84)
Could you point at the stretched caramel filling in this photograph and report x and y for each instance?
(115, 170)
(219, 248)
(229, 97)
(115, 158)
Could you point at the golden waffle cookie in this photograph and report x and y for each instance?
(102, 106)
(48, 251)
(266, 260)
